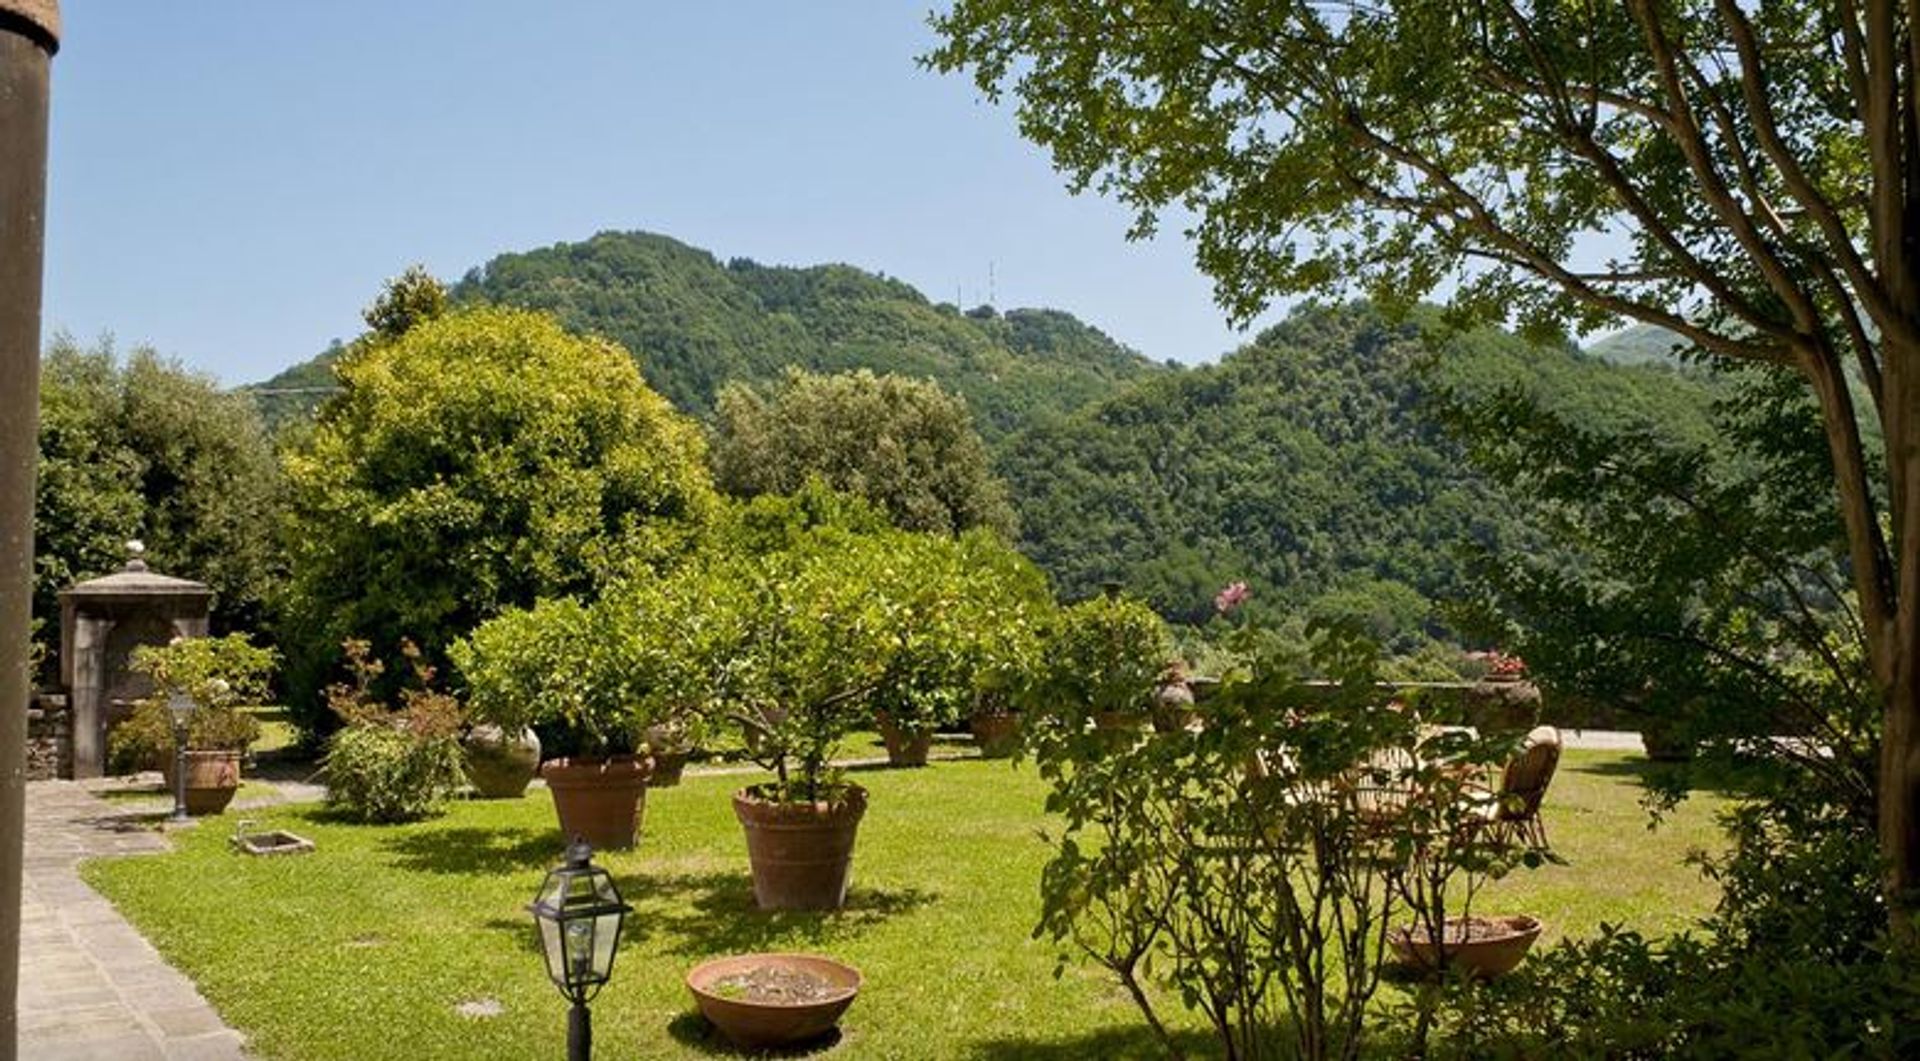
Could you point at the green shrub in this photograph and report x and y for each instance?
(1106, 655)
(392, 765)
(386, 774)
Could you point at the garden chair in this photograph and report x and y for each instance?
(1511, 812)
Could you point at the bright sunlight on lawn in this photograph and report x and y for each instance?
(366, 948)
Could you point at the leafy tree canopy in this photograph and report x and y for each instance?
(480, 460)
(143, 448)
(903, 444)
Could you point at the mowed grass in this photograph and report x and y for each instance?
(365, 948)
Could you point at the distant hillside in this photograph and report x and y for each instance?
(695, 325)
(1639, 344)
(1306, 464)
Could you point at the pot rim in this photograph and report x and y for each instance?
(712, 968)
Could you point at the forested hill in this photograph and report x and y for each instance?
(1308, 464)
(696, 324)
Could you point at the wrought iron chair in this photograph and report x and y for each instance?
(1512, 811)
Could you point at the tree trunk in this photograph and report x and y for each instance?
(1899, 806)
(1887, 581)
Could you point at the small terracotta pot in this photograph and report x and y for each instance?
(212, 779)
(499, 766)
(904, 747)
(801, 853)
(599, 800)
(759, 1025)
(1486, 954)
(996, 733)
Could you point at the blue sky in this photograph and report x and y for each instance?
(230, 182)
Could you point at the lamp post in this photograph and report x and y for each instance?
(181, 707)
(579, 914)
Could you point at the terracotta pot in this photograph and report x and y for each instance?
(801, 853)
(996, 733)
(1512, 705)
(904, 747)
(758, 1025)
(212, 778)
(1495, 946)
(499, 766)
(599, 800)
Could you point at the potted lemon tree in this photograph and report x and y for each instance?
(225, 676)
(578, 672)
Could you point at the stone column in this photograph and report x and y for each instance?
(29, 33)
(87, 697)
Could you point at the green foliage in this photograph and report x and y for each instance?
(1105, 655)
(481, 461)
(1308, 464)
(143, 448)
(225, 676)
(903, 444)
(392, 764)
(697, 325)
(1252, 867)
(580, 672)
(1698, 586)
(385, 774)
(411, 298)
(964, 618)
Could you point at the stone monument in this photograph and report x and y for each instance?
(101, 622)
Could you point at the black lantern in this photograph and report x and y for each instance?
(579, 914)
(180, 707)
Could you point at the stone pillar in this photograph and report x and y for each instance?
(29, 33)
(86, 696)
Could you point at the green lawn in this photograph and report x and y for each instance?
(365, 948)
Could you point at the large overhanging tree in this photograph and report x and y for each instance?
(1742, 173)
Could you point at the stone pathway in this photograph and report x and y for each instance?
(90, 986)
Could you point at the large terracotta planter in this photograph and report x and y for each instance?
(904, 747)
(1495, 945)
(599, 800)
(997, 733)
(498, 765)
(212, 778)
(801, 853)
(722, 990)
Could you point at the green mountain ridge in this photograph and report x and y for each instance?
(696, 324)
(1309, 464)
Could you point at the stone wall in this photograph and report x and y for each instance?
(49, 737)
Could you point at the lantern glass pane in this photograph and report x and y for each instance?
(550, 947)
(606, 935)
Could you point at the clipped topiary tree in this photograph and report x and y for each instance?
(477, 460)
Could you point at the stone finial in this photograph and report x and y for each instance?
(136, 555)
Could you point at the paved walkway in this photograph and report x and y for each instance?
(90, 986)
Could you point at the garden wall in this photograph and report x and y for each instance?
(49, 737)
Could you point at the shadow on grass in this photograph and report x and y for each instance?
(714, 913)
(1106, 1043)
(692, 1030)
(476, 852)
(1702, 775)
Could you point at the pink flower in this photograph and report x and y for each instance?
(1230, 597)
